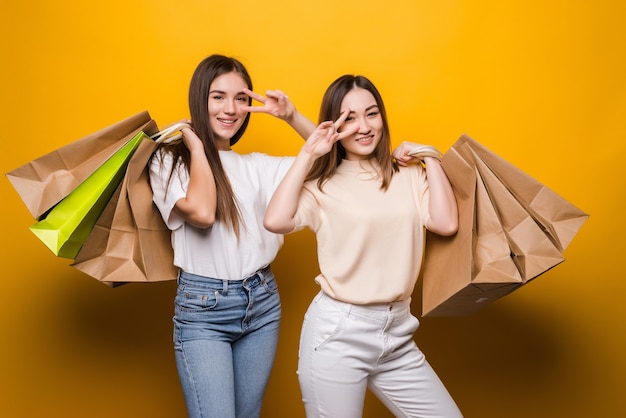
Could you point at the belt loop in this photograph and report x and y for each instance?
(225, 287)
(263, 272)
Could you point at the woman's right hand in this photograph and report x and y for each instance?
(321, 141)
(275, 103)
(192, 141)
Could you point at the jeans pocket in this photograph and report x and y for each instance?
(270, 285)
(196, 300)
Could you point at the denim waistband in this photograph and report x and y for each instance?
(203, 282)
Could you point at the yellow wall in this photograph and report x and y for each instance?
(541, 83)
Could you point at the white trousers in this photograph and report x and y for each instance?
(345, 349)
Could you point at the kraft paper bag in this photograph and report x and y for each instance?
(45, 181)
(560, 219)
(531, 249)
(67, 225)
(130, 242)
(508, 233)
(463, 272)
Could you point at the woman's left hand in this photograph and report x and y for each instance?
(410, 152)
(401, 153)
(275, 103)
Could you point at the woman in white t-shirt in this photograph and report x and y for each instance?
(369, 214)
(227, 308)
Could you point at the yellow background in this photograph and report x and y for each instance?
(541, 83)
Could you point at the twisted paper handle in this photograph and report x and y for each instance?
(165, 136)
(426, 151)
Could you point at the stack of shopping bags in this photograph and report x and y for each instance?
(511, 230)
(92, 203)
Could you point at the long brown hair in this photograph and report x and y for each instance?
(325, 166)
(206, 72)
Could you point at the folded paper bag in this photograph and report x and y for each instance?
(65, 228)
(130, 242)
(465, 272)
(45, 181)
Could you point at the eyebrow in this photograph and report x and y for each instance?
(223, 92)
(366, 109)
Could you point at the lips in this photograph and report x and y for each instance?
(365, 139)
(229, 122)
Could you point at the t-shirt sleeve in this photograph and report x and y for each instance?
(309, 212)
(167, 191)
(422, 191)
(273, 170)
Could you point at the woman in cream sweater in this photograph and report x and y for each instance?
(369, 210)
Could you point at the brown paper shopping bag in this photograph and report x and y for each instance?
(560, 219)
(464, 272)
(45, 181)
(66, 226)
(130, 242)
(531, 249)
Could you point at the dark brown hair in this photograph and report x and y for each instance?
(204, 75)
(325, 166)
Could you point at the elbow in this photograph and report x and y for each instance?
(205, 220)
(449, 229)
(275, 225)
(445, 229)
(199, 215)
(202, 224)
(202, 220)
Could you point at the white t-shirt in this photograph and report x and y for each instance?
(215, 251)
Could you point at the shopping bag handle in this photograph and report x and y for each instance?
(165, 136)
(426, 151)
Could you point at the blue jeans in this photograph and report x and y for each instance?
(225, 339)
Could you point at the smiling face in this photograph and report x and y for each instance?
(366, 118)
(225, 102)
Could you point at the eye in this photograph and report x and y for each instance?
(373, 113)
(216, 97)
(349, 118)
(243, 99)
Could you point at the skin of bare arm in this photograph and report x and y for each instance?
(279, 215)
(198, 207)
(442, 204)
(277, 103)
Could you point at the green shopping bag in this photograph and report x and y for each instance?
(65, 228)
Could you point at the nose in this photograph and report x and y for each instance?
(229, 107)
(364, 126)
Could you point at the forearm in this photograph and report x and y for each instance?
(280, 213)
(442, 203)
(199, 205)
(301, 124)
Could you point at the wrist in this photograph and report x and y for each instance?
(306, 157)
(290, 117)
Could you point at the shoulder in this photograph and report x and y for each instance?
(413, 174)
(160, 159)
(252, 157)
(410, 171)
(266, 161)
